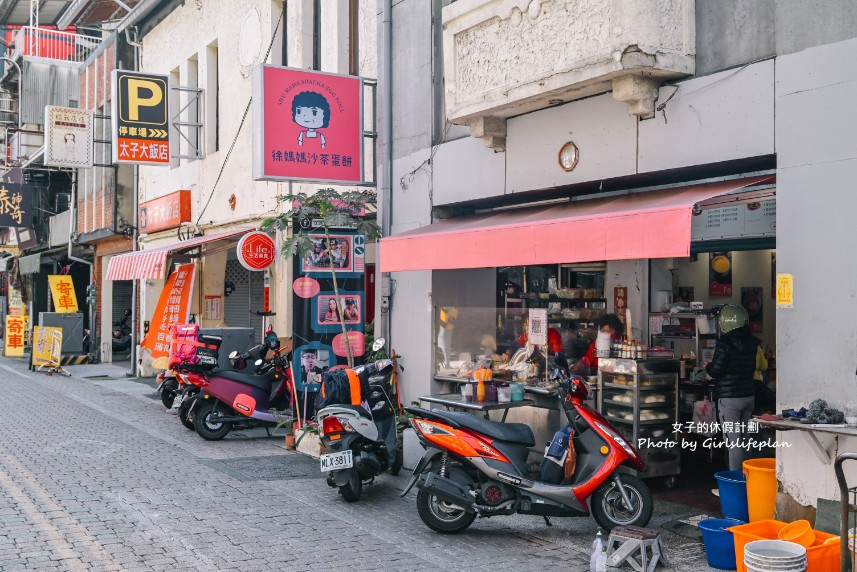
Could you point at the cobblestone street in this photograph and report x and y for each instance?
(96, 475)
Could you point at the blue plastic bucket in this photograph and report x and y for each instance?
(733, 494)
(719, 543)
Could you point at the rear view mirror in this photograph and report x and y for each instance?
(379, 343)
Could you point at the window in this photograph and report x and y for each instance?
(212, 96)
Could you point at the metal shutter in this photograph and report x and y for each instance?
(122, 293)
(246, 298)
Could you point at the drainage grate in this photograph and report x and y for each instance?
(272, 468)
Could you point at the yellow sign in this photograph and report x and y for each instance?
(65, 300)
(785, 290)
(14, 336)
(47, 346)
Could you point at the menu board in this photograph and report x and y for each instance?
(751, 219)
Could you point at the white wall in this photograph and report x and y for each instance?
(719, 117)
(817, 167)
(465, 170)
(600, 127)
(635, 275)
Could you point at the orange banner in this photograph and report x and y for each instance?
(173, 308)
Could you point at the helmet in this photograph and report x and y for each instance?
(732, 317)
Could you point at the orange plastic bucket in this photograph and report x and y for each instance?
(761, 488)
(820, 556)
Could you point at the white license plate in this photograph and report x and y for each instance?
(336, 461)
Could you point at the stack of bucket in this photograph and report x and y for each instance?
(774, 555)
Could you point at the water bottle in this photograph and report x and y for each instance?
(597, 563)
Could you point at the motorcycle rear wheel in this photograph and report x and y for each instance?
(608, 507)
(397, 463)
(168, 392)
(208, 429)
(353, 489)
(440, 516)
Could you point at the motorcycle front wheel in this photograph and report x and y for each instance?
(169, 387)
(205, 423)
(610, 510)
(441, 516)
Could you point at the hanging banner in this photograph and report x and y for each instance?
(173, 308)
(46, 350)
(62, 288)
(14, 342)
(309, 126)
(140, 118)
(319, 314)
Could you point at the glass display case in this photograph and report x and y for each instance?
(640, 399)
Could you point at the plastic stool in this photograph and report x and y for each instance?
(627, 543)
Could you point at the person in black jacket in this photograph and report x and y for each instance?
(732, 367)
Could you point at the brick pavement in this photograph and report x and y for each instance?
(96, 475)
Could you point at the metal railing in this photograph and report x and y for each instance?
(53, 44)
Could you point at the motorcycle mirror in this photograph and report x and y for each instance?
(379, 343)
(258, 363)
(233, 354)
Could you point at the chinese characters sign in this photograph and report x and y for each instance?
(62, 288)
(141, 131)
(165, 212)
(47, 346)
(173, 308)
(16, 205)
(311, 126)
(68, 137)
(256, 251)
(14, 336)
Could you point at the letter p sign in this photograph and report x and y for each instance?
(142, 99)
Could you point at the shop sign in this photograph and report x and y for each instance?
(173, 308)
(537, 329)
(785, 290)
(47, 346)
(169, 211)
(756, 219)
(14, 343)
(16, 202)
(140, 118)
(256, 251)
(16, 304)
(68, 137)
(311, 126)
(62, 288)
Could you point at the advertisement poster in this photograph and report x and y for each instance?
(62, 289)
(620, 302)
(173, 308)
(319, 314)
(311, 125)
(751, 299)
(720, 274)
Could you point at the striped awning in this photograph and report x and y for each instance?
(151, 264)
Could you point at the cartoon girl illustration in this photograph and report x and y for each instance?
(311, 110)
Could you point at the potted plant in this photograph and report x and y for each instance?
(285, 419)
(308, 441)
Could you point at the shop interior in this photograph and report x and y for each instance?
(666, 306)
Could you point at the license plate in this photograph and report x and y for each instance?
(336, 461)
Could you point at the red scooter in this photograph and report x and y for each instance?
(475, 467)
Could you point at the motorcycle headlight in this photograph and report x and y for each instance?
(619, 440)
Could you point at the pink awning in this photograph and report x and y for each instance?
(644, 225)
(151, 264)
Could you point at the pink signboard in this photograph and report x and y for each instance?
(311, 126)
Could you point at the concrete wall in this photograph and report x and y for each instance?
(733, 32)
(816, 170)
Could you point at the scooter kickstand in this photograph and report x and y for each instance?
(547, 520)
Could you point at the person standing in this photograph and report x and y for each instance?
(732, 367)
(609, 323)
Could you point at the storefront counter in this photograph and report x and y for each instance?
(812, 431)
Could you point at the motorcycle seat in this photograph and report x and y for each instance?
(360, 410)
(511, 432)
(261, 381)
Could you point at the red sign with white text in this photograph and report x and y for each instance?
(165, 212)
(312, 125)
(256, 251)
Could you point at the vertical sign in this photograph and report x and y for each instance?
(140, 117)
(319, 314)
(14, 346)
(45, 352)
(720, 274)
(213, 308)
(785, 290)
(308, 126)
(62, 288)
(68, 137)
(173, 308)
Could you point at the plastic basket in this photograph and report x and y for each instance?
(820, 557)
